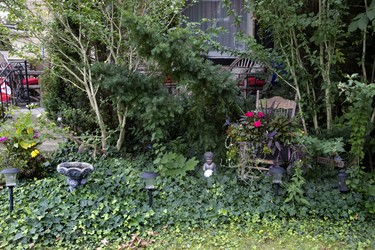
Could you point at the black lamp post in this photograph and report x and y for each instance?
(277, 174)
(342, 181)
(10, 181)
(149, 178)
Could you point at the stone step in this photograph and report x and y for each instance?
(50, 146)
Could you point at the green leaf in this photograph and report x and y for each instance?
(363, 22)
(353, 26)
(371, 14)
(371, 190)
(18, 236)
(304, 201)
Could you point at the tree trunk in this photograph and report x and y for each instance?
(122, 125)
(325, 49)
(363, 58)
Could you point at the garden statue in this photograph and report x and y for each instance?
(208, 167)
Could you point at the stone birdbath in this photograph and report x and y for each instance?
(76, 172)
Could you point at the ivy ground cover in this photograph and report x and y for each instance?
(112, 212)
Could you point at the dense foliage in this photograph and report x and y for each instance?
(20, 138)
(131, 99)
(61, 99)
(124, 96)
(207, 95)
(113, 206)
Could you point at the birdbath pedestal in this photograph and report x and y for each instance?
(76, 172)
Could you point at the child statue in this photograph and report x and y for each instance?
(208, 167)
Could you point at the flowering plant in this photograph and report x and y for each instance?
(20, 139)
(261, 135)
(250, 127)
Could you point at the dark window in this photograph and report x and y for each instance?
(215, 11)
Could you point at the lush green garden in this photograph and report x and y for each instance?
(112, 209)
(114, 112)
(189, 210)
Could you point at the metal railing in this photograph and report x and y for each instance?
(14, 82)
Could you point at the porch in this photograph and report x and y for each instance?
(19, 81)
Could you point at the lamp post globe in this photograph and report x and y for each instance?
(149, 178)
(10, 176)
(342, 176)
(277, 174)
(10, 181)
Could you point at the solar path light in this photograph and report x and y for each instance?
(10, 181)
(277, 175)
(342, 181)
(149, 178)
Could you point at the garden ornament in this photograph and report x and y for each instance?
(60, 121)
(208, 167)
(76, 172)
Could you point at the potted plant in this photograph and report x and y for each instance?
(259, 136)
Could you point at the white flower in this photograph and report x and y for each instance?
(208, 173)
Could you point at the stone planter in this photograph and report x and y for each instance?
(76, 172)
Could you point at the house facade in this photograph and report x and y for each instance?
(216, 11)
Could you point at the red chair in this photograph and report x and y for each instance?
(250, 75)
(255, 82)
(5, 97)
(5, 92)
(31, 81)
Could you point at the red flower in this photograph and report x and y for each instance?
(257, 124)
(260, 114)
(249, 114)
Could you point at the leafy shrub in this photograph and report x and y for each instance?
(21, 138)
(170, 164)
(359, 115)
(150, 110)
(207, 94)
(64, 99)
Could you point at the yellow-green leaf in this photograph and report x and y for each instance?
(26, 144)
(30, 131)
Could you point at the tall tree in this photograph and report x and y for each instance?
(78, 33)
(308, 37)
